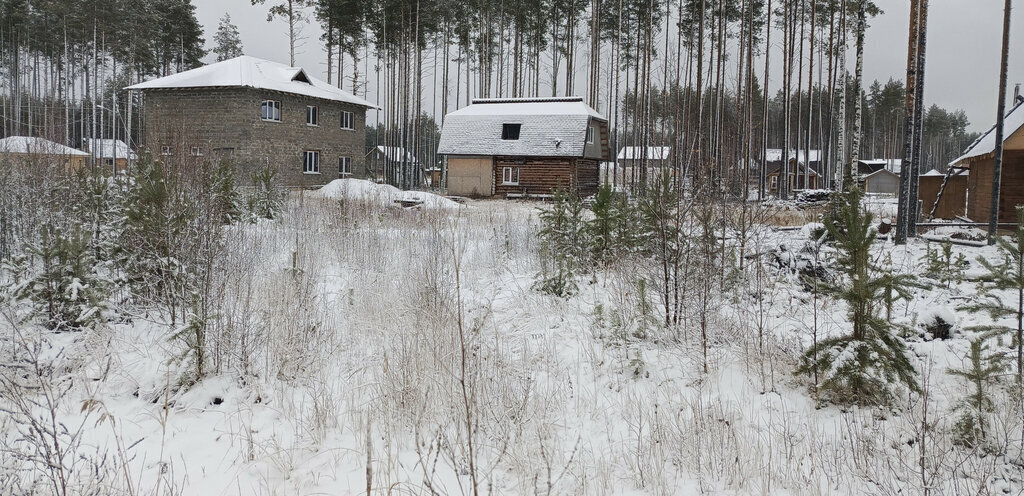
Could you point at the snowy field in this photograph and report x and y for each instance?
(371, 348)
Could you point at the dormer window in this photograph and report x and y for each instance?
(301, 77)
(510, 131)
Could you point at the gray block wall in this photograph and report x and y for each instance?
(223, 119)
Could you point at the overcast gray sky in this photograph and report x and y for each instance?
(963, 48)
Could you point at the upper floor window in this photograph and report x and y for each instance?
(165, 150)
(590, 135)
(312, 115)
(311, 162)
(270, 110)
(347, 120)
(510, 131)
(344, 166)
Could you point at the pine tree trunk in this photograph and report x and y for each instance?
(902, 213)
(993, 221)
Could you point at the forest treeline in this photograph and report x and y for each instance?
(639, 62)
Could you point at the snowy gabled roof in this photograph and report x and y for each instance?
(31, 145)
(394, 153)
(986, 143)
(775, 155)
(651, 152)
(551, 127)
(109, 148)
(251, 72)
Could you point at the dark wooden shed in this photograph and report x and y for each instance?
(954, 196)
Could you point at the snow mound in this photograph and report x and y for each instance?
(384, 194)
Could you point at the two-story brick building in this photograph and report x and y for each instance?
(257, 113)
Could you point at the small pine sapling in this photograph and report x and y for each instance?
(62, 285)
(981, 374)
(225, 196)
(266, 199)
(1007, 275)
(942, 266)
(858, 368)
(563, 246)
(610, 232)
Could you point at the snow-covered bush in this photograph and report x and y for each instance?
(59, 278)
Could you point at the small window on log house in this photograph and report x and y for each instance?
(510, 175)
(590, 135)
(510, 131)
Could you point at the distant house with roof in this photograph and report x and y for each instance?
(32, 151)
(979, 158)
(803, 169)
(257, 113)
(524, 147)
(110, 153)
(654, 156)
(870, 166)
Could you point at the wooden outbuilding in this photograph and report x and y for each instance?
(882, 181)
(33, 151)
(980, 160)
(523, 147)
(954, 196)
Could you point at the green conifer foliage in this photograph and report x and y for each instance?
(981, 374)
(59, 279)
(1006, 276)
(859, 367)
(563, 250)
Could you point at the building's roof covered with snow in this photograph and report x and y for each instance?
(251, 72)
(775, 155)
(651, 152)
(31, 145)
(776, 168)
(551, 127)
(109, 148)
(936, 173)
(882, 172)
(395, 153)
(986, 143)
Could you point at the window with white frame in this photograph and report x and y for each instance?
(311, 162)
(344, 166)
(165, 150)
(196, 151)
(510, 175)
(347, 120)
(270, 110)
(312, 115)
(590, 135)
(774, 182)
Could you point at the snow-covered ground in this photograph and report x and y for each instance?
(364, 338)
